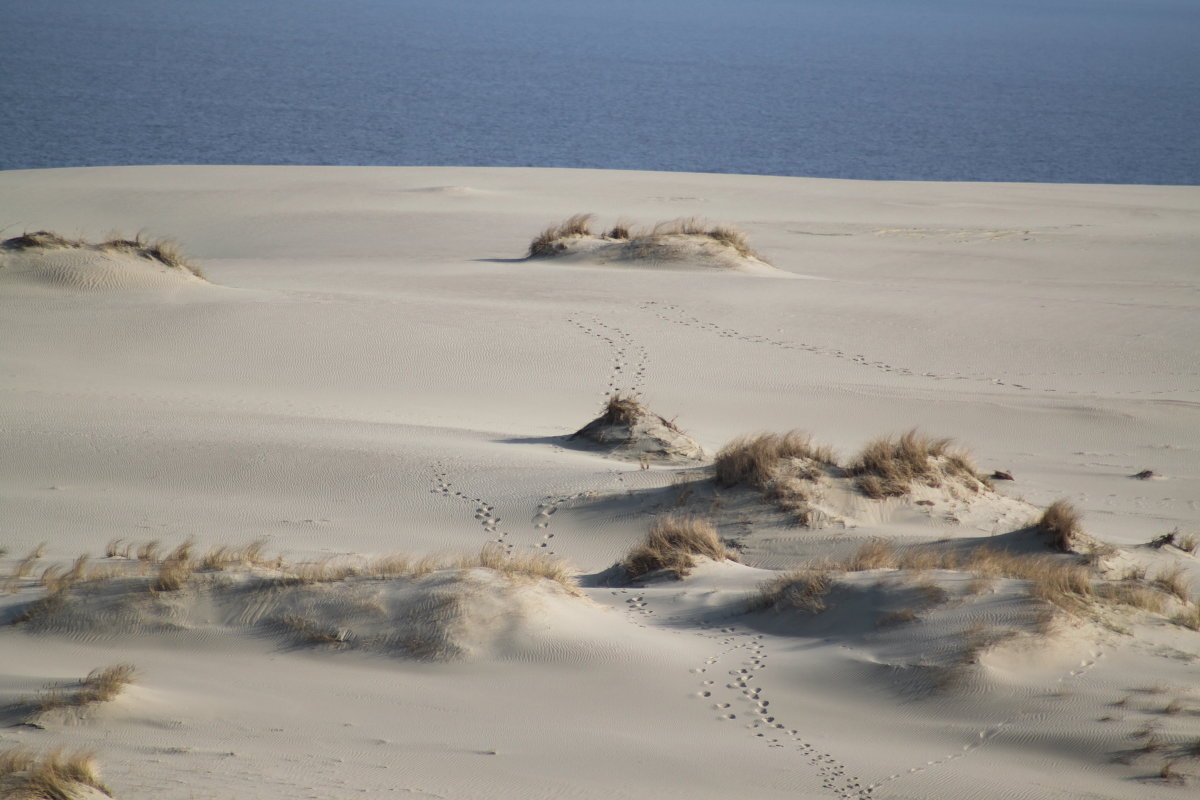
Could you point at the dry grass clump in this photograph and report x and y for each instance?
(175, 570)
(1174, 581)
(1133, 594)
(672, 544)
(100, 686)
(40, 240)
(784, 467)
(1057, 580)
(527, 566)
(803, 590)
(549, 241)
(220, 557)
(875, 554)
(890, 467)
(756, 460)
(1189, 617)
(164, 251)
(1060, 525)
(53, 776)
(23, 567)
(622, 409)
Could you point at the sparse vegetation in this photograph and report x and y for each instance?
(622, 409)
(1189, 617)
(627, 428)
(549, 241)
(100, 686)
(785, 467)
(163, 251)
(803, 590)
(1059, 525)
(672, 545)
(1174, 581)
(757, 460)
(890, 467)
(553, 240)
(528, 566)
(56, 775)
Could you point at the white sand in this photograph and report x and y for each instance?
(371, 371)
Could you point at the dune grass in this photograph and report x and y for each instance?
(802, 590)
(758, 459)
(552, 240)
(164, 251)
(549, 241)
(1060, 526)
(622, 408)
(56, 775)
(891, 466)
(672, 545)
(100, 686)
(785, 467)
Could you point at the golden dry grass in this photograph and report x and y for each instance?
(219, 557)
(756, 460)
(891, 466)
(802, 590)
(523, 566)
(25, 775)
(1189, 617)
(622, 408)
(100, 686)
(672, 544)
(1174, 581)
(164, 251)
(550, 241)
(1060, 526)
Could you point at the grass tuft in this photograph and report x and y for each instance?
(672, 544)
(758, 459)
(548, 242)
(1060, 525)
(803, 590)
(531, 566)
(164, 251)
(1174, 581)
(890, 466)
(53, 776)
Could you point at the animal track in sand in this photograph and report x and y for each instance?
(484, 511)
(987, 734)
(669, 312)
(738, 698)
(629, 359)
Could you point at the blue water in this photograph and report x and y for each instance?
(1010, 90)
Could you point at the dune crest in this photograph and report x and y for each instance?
(676, 244)
(48, 259)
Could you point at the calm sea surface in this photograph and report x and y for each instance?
(996, 90)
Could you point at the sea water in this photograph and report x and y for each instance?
(982, 90)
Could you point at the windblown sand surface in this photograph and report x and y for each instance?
(374, 368)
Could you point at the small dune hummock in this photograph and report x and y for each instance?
(435, 608)
(682, 242)
(891, 467)
(627, 429)
(115, 263)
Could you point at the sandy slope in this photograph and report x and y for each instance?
(371, 370)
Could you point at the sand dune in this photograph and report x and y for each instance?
(369, 371)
